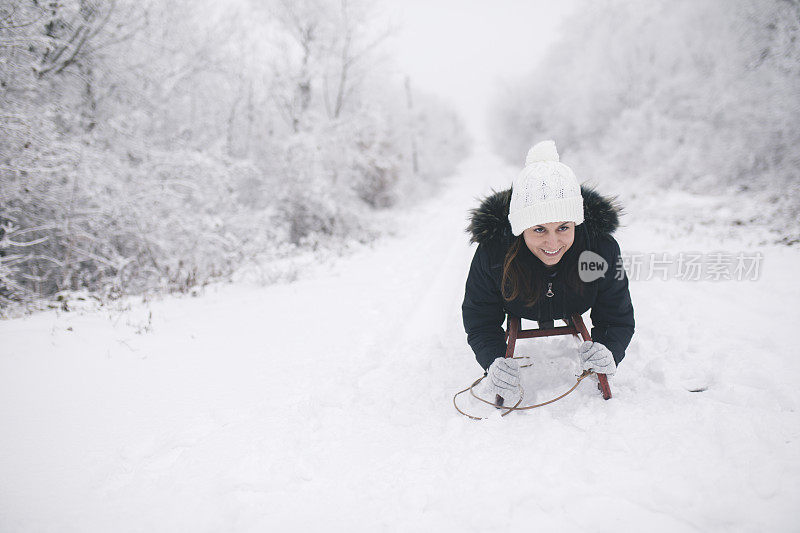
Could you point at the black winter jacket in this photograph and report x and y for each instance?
(484, 309)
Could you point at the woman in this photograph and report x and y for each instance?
(530, 239)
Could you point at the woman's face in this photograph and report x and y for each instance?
(549, 242)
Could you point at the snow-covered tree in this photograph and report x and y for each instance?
(158, 145)
(701, 95)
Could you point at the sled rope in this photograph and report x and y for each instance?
(515, 407)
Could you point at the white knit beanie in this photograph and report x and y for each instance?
(545, 191)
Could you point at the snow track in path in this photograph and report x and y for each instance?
(324, 404)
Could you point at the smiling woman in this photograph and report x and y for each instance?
(530, 239)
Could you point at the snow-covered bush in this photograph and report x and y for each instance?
(698, 95)
(159, 145)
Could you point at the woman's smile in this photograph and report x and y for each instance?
(553, 253)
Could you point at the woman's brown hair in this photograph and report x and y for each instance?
(524, 274)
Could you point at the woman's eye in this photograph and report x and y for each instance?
(563, 228)
(538, 230)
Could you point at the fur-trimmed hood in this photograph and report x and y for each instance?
(489, 221)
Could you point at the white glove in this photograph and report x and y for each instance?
(595, 356)
(504, 378)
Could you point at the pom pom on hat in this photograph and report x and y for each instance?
(542, 151)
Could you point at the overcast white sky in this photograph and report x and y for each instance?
(464, 49)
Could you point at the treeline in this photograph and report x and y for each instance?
(162, 144)
(700, 95)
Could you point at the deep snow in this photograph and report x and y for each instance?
(325, 403)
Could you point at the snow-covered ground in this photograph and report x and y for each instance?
(325, 404)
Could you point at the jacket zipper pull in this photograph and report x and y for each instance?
(549, 292)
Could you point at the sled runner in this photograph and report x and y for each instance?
(575, 326)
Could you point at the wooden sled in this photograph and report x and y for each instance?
(575, 326)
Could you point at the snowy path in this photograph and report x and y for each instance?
(325, 404)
